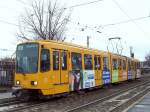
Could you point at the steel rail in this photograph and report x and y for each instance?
(105, 98)
(35, 104)
(10, 103)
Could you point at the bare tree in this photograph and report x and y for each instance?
(43, 21)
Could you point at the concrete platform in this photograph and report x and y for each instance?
(5, 92)
(142, 105)
(5, 95)
(5, 89)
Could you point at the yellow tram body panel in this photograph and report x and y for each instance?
(98, 67)
(132, 69)
(120, 70)
(124, 68)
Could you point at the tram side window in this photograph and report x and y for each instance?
(105, 63)
(45, 60)
(135, 66)
(88, 62)
(76, 60)
(129, 65)
(99, 63)
(55, 60)
(115, 64)
(64, 60)
(138, 65)
(95, 62)
(132, 65)
(120, 63)
(124, 65)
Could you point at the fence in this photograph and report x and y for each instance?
(7, 70)
(7, 67)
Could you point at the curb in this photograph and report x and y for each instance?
(5, 90)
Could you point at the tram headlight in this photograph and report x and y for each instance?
(17, 82)
(35, 83)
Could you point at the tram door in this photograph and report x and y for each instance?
(129, 70)
(60, 66)
(120, 70)
(64, 66)
(124, 70)
(132, 70)
(98, 72)
(106, 71)
(114, 77)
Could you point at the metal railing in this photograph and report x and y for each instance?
(7, 67)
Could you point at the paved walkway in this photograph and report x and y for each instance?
(5, 92)
(142, 106)
(5, 95)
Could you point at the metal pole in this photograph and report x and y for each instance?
(88, 41)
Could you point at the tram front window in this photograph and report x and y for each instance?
(27, 58)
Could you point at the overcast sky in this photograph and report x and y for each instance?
(96, 16)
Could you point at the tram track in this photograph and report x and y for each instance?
(71, 104)
(7, 101)
(79, 108)
(129, 102)
(21, 106)
(10, 103)
(17, 105)
(110, 102)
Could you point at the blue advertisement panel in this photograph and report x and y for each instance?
(106, 76)
(88, 79)
(129, 75)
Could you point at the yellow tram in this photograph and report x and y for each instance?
(50, 68)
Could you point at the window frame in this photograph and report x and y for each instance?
(66, 62)
(58, 68)
(16, 66)
(48, 60)
(90, 67)
(124, 64)
(120, 62)
(74, 67)
(97, 63)
(114, 67)
(129, 65)
(107, 65)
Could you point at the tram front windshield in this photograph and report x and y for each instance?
(27, 58)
